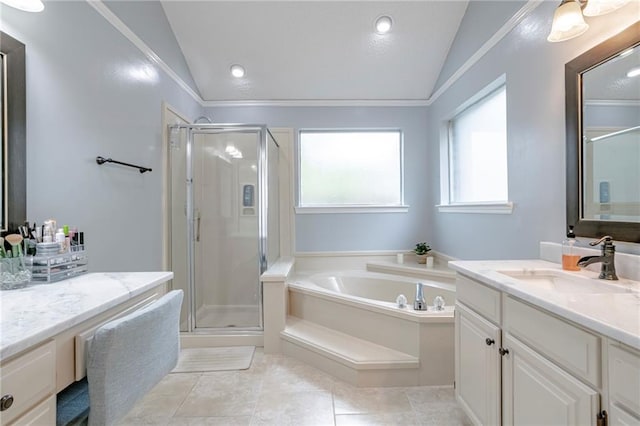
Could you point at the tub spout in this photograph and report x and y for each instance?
(420, 304)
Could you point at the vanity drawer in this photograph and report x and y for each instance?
(575, 349)
(624, 377)
(29, 379)
(479, 297)
(42, 415)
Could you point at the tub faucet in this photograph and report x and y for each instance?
(607, 258)
(420, 304)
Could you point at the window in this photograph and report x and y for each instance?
(477, 153)
(350, 170)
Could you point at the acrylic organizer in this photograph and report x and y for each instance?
(52, 268)
(14, 273)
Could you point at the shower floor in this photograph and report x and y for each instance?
(238, 316)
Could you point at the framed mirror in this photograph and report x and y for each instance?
(13, 156)
(602, 88)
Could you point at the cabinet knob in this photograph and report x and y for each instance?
(489, 341)
(6, 402)
(503, 351)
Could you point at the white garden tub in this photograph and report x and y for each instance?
(362, 305)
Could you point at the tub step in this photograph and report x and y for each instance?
(345, 349)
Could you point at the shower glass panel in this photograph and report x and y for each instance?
(224, 224)
(226, 245)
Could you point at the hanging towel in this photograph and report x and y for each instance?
(130, 355)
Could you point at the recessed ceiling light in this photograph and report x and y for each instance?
(383, 24)
(634, 72)
(237, 71)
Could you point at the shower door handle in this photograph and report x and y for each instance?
(197, 226)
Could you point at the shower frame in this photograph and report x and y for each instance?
(263, 184)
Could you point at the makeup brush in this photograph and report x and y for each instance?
(2, 252)
(15, 240)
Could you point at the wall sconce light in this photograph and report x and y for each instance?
(26, 5)
(568, 19)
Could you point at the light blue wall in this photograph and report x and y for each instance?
(83, 102)
(148, 21)
(480, 22)
(367, 231)
(534, 71)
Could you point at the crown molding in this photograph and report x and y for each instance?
(486, 47)
(107, 14)
(320, 103)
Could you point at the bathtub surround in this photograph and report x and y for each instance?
(363, 338)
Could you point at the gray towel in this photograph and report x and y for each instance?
(130, 355)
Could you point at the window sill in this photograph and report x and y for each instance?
(352, 209)
(483, 208)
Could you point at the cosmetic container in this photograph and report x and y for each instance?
(569, 257)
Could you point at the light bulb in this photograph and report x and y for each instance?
(383, 24)
(237, 71)
(567, 22)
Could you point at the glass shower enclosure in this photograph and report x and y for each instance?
(224, 223)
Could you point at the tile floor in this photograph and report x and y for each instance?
(278, 390)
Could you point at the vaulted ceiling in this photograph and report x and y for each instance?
(314, 50)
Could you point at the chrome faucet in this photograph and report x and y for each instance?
(607, 258)
(419, 304)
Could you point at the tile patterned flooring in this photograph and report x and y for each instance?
(278, 390)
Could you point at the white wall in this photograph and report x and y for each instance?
(87, 96)
(534, 71)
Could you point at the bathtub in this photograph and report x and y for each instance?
(377, 291)
(361, 307)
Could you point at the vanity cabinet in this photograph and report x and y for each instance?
(624, 384)
(477, 366)
(27, 385)
(516, 364)
(30, 379)
(537, 392)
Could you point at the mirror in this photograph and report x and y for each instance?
(602, 89)
(13, 194)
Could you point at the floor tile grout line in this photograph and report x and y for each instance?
(173, 416)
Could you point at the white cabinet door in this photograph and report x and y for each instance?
(619, 417)
(537, 392)
(477, 366)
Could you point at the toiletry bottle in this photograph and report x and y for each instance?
(60, 239)
(569, 257)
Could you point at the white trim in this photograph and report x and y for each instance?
(485, 208)
(107, 14)
(613, 102)
(349, 253)
(321, 103)
(351, 209)
(486, 47)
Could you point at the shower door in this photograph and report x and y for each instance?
(228, 172)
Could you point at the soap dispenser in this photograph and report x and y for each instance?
(569, 257)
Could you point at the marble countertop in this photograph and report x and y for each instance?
(613, 312)
(38, 312)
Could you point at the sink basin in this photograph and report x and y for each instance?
(565, 282)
